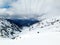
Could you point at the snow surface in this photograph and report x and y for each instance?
(46, 32)
(8, 30)
(44, 25)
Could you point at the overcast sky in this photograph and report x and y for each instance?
(28, 7)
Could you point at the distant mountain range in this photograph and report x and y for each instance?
(23, 22)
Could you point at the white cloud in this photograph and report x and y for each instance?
(28, 7)
(33, 6)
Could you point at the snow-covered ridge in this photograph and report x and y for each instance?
(8, 30)
(11, 29)
(47, 25)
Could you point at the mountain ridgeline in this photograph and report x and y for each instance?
(23, 22)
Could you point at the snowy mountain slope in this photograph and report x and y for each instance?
(8, 30)
(47, 25)
(11, 30)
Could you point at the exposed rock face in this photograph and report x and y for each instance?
(8, 30)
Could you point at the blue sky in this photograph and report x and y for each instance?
(6, 3)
